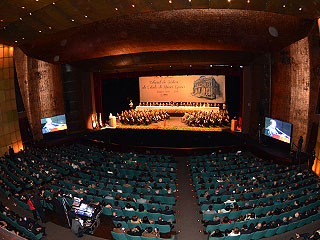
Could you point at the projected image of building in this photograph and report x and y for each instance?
(206, 87)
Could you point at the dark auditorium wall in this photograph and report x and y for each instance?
(41, 89)
(295, 87)
(256, 94)
(77, 97)
(117, 93)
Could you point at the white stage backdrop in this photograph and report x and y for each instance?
(191, 88)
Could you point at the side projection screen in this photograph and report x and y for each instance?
(278, 130)
(53, 124)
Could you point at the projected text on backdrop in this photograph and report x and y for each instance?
(192, 88)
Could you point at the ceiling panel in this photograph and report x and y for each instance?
(189, 29)
(58, 14)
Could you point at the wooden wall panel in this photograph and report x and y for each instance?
(295, 86)
(41, 89)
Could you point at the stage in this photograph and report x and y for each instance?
(174, 123)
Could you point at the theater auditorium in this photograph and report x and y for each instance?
(159, 119)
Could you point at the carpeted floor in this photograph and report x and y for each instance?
(188, 220)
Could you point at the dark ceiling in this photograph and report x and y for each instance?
(23, 19)
(117, 31)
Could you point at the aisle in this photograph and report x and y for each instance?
(187, 209)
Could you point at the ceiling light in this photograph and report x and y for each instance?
(190, 0)
(37, 0)
(116, 9)
(300, 9)
(50, 27)
(284, 5)
(53, 3)
(20, 19)
(23, 38)
(229, 0)
(40, 31)
(132, 5)
(15, 41)
(85, 16)
(30, 14)
(170, 1)
(23, 7)
(210, 65)
(190, 65)
(1, 20)
(248, 1)
(72, 20)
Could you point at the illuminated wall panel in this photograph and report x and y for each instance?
(9, 122)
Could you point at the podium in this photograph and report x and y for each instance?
(113, 121)
(233, 125)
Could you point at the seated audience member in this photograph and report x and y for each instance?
(128, 207)
(215, 221)
(150, 233)
(217, 233)
(210, 210)
(167, 211)
(225, 220)
(162, 222)
(135, 231)
(225, 210)
(296, 218)
(135, 219)
(119, 229)
(307, 236)
(235, 232)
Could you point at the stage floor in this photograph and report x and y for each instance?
(174, 123)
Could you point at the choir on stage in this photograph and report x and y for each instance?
(142, 117)
(206, 119)
(185, 104)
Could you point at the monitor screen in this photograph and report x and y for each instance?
(53, 124)
(278, 130)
